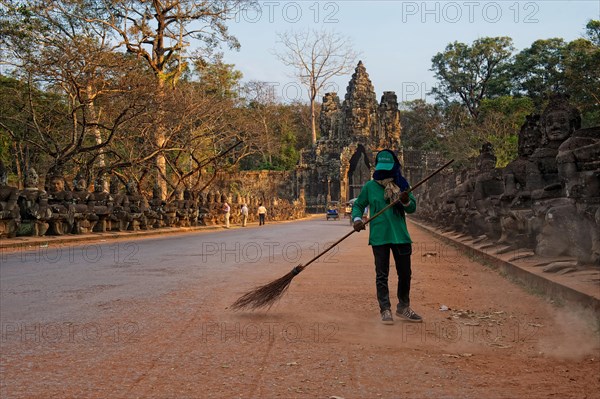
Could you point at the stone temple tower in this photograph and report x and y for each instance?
(352, 132)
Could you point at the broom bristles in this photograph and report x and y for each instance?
(268, 294)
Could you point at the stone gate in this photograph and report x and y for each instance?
(352, 132)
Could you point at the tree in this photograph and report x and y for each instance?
(538, 70)
(159, 32)
(592, 31)
(66, 71)
(472, 73)
(422, 125)
(499, 122)
(276, 129)
(316, 56)
(217, 77)
(581, 59)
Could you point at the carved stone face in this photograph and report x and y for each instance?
(114, 186)
(557, 126)
(529, 138)
(80, 184)
(31, 179)
(487, 164)
(56, 185)
(131, 188)
(99, 186)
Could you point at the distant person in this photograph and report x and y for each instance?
(227, 212)
(244, 213)
(388, 232)
(262, 212)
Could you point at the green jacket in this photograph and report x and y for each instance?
(388, 228)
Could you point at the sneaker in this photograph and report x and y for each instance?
(407, 314)
(386, 317)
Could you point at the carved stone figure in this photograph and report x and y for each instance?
(191, 204)
(558, 122)
(33, 207)
(60, 203)
(120, 217)
(203, 210)
(9, 209)
(486, 194)
(182, 213)
(102, 206)
(84, 218)
(515, 202)
(574, 220)
(137, 207)
(156, 213)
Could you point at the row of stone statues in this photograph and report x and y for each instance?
(58, 211)
(548, 199)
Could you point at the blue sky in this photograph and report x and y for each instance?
(397, 39)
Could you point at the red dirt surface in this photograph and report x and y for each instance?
(323, 339)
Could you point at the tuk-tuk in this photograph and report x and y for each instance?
(332, 210)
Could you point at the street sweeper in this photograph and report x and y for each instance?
(388, 233)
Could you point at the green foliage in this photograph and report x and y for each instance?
(513, 109)
(499, 123)
(592, 31)
(281, 131)
(474, 86)
(218, 78)
(555, 66)
(582, 78)
(538, 70)
(470, 73)
(25, 111)
(422, 125)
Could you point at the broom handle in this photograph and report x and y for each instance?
(378, 213)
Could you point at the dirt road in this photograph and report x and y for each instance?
(150, 318)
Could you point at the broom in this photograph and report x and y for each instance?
(268, 294)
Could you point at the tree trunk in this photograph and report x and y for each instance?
(159, 140)
(313, 120)
(97, 137)
(18, 160)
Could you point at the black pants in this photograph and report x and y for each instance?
(261, 219)
(401, 254)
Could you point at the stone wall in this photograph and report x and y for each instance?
(58, 211)
(547, 200)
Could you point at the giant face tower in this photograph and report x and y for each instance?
(352, 132)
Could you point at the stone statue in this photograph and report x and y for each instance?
(515, 202)
(120, 217)
(558, 122)
(9, 209)
(463, 203)
(84, 218)
(191, 204)
(102, 206)
(60, 203)
(137, 207)
(571, 223)
(203, 210)
(179, 203)
(486, 194)
(33, 206)
(156, 213)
